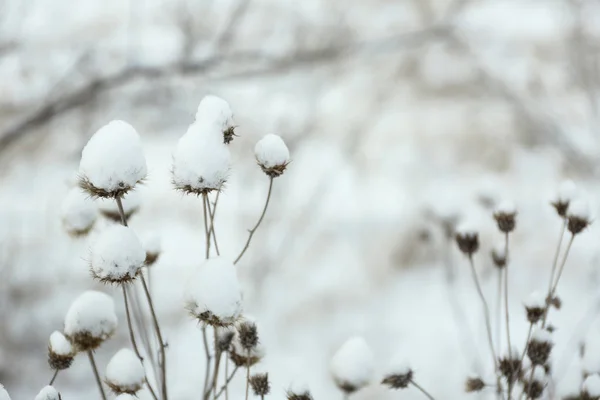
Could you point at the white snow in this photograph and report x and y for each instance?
(536, 300)
(117, 254)
(92, 312)
(152, 242)
(125, 371)
(591, 385)
(271, 151)
(78, 212)
(506, 207)
(131, 202)
(215, 111)
(201, 159)
(567, 191)
(353, 363)
(579, 208)
(215, 287)
(113, 158)
(467, 228)
(399, 365)
(3, 393)
(500, 249)
(541, 335)
(539, 374)
(48, 393)
(126, 396)
(59, 344)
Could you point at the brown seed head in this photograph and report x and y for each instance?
(229, 134)
(474, 384)
(499, 258)
(398, 381)
(248, 335)
(305, 395)
(260, 384)
(539, 351)
(224, 340)
(468, 242)
(511, 368)
(506, 221)
(58, 361)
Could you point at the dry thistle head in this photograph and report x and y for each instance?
(251, 351)
(272, 155)
(540, 347)
(229, 134)
(534, 388)
(295, 394)
(499, 256)
(90, 321)
(566, 193)
(510, 366)
(224, 339)
(78, 213)
(535, 306)
(474, 384)
(125, 373)
(578, 216)
(152, 244)
(505, 216)
(117, 255)
(352, 365)
(590, 389)
(248, 335)
(400, 375)
(60, 351)
(260, 384)
(467, 239)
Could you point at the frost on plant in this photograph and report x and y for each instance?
(91, 320)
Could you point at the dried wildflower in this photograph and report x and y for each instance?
(534, 388)
(505, 216)
(215, 111)
(540, 347)
(112, 162)
(535, 306)
(578, 216)
(248, 335)
(224, 339)
(590, 389)
(240, 354)
(117, 255)
(467, 239)
(78, 213)
(260, 384)
(510, 366)
(125, 372)
(60, 351)
(399, 379)
(474, 384)
(566, 193)
(91, 320)
(499, 255)
(152, 244)
(352, 366)
(299, 393)
(48, 393)
(272, 155)
(109, 209)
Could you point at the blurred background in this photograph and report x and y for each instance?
(403, 117)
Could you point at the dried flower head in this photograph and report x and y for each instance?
(398, 379)
(215, 111)
(540, 347)
(499, 255)
(125, 372)
(535, 306)
(78, 213)
(578, 216)
(590, 389)
(109, 209)
(213, 295)
(60, 351)
(240, 354)
(272, 155)
(91, 320)
(112, 162)
(224, 339)
(566, 193)
(510, 366)
(353, 365)
(467, 239)
(534, 388)
(248, 335)
(505, 216)
(117, 255)
(260, 384)
(48, 393)
(474, 384)
(298, 392)
(152, 244)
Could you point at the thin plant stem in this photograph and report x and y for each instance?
(211, 213)
(248, 375)
(121, 211)
(54, 377)
(429, 396)
(253, 230)
(556, 254)
(206, 230)
(150, 389)
(558, 276)
(139, 320)
(207, 354)
(226, 375)
(163, 365)
(486, 310)
(229, 379)
(526, 343)
(96, 375)
(130, 326)
(499, 312)
(506, 309)
(216, 372)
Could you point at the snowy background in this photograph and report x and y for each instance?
(399, 115)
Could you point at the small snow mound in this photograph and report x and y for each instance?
(536, 300)
(591, 385)
(113, 159)
(152, 242)
(201, 162)
(580, 209)
(353, 365)
(541, 335)
(60, 345)
(117, 254)
(3, 393)
(125, 372)
(215, 289)
(91, 313)
(271, 151)
(506, 207)
(48, 393)
(567, 191)
(78, 212)
(539, 373)
(215, 111)
(399, 366)
(500, 249)
(126, 396)
(467, 228)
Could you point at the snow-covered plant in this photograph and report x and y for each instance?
(60, 352)
(78, 213)
(353, 365)
(215, 111)
(91, 320)
(117, 255)
(125, 372)
(48, 393)
(152, 244)
(590, 389)
(272, 155)
(3, 393)
(109, 208)
(260, 384)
